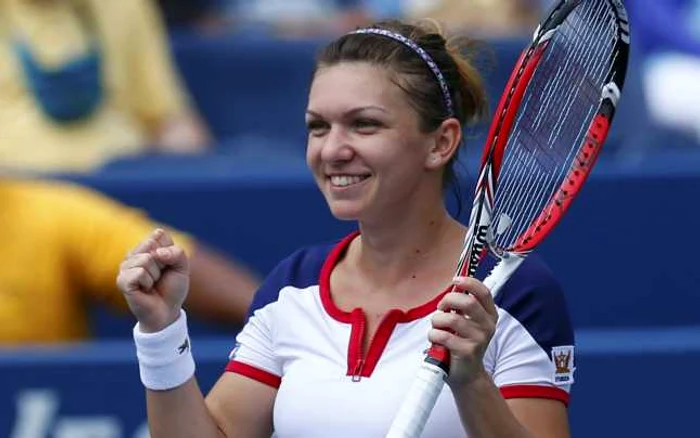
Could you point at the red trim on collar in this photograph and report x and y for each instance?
(338, 314)
(360, 363)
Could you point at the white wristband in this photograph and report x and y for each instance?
(165, 357)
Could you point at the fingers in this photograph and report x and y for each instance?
(165, 252)
(464, 306)
(141, 269)
(474, 292)
(146, 263)
(466, 321)
(447, 325)
(135, 279)
(456, 344)
(162, 237)
(173, 257)
(143, 260)
(464, 337)
(147, 245)
(139, 272)
(158, 238)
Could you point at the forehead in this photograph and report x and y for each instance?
(349, 85)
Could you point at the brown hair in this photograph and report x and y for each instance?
(414, 76)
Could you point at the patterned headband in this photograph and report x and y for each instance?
(424, 56)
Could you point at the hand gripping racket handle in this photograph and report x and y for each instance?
(418, 403)
(427, 385)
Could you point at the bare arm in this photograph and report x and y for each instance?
(492, 416)
(182, 134)
(242, 406)
(542, 417)
(236, 407)
(155, 278)
(180, 413)
(221, 290)
(483, 410)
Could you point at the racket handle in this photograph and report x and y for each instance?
(501, 273)
(418, 403)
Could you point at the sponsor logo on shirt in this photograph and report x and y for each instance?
(563, 359)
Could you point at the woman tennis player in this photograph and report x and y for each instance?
(337, 332)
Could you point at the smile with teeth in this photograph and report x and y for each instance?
(347, 180)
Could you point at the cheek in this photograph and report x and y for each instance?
(407, 171)
(408, 159)
(312, 154)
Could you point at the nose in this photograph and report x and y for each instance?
(336, 146)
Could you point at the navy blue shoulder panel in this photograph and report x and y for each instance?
(535, 298)
(301, 269)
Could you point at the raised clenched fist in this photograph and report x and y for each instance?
(154, 279)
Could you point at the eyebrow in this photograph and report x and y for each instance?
(350, 112)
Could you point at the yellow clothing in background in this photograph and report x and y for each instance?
(480, 18)
(141, 87)
(61, 247)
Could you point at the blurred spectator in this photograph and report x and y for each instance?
(62, 246)
(295, 18)
(325, 17)
(83, 81)
(482, 18)
(201, 15)
(667, 36)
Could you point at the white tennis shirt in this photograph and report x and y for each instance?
(298, 341)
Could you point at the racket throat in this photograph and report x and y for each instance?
(440, 357)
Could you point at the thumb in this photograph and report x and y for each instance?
(173, 257)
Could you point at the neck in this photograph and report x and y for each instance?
(426, 242)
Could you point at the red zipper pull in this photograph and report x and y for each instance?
(357, 371)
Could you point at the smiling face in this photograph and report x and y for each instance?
(365, 149)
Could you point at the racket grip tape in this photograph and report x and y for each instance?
(418, 402)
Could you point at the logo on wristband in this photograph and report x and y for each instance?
(184, 347)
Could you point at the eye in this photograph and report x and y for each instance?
(316, 127)
(366, 126)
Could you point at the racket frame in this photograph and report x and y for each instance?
(423, 393)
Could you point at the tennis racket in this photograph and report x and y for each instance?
(547, 132)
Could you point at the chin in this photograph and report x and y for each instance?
(344, 211)
(345, 215)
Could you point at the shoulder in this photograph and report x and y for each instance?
(122, 7)
(57, 194)
(52, 211)
(300, 270)
(75, 209)
(124, 16)
(535, 299)
(73, 199)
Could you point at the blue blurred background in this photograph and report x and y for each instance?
(624, 253)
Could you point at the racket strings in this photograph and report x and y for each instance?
(553, 120)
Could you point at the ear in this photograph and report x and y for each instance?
(447, 139)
